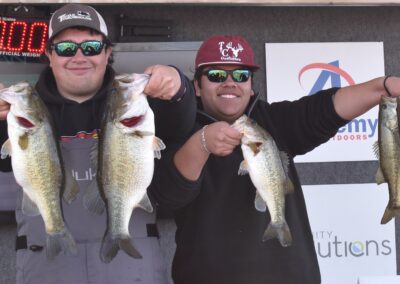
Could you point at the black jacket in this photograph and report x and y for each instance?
(219, 232)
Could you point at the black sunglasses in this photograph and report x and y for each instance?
(220, 75)
(69, 48)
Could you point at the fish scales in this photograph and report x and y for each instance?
(268, 170)
(268, 174)
(387, 150)
(125, 155)
(42, 171)
(125, 163)
(37, 165)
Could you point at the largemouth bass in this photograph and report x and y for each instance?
(37, 165)
(126, 152)
(387, 150)
(268, 168)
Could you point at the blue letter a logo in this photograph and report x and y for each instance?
(324, 77)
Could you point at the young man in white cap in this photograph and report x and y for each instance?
(74, 88)
(219, 233)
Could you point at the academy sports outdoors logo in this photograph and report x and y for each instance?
(229, 52)
(356, 130)
(79, 15)
(330, 71)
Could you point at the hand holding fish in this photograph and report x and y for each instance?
(164, 82)
(4, 106)
(353, 101)
(217, 138)
(220, 138)
(4, 109)
(391, 84)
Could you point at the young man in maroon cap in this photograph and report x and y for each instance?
(219, 231)
(74, 88)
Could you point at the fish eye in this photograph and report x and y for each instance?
(384, 106)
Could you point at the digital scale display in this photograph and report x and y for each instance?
(22, 39)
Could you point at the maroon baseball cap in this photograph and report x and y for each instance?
(225, 49)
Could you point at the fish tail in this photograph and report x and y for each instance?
(111, 246)
(92, 200)
(127, 246)
(279, 231)
(63, 241)
(390, 212)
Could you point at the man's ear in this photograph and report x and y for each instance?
(48, 56)
(108, 52)
(197, 88)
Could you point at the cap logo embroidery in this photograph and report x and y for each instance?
(230, 52)
(79, 15)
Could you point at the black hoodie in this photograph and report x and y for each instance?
(219, 231)
(71, 117)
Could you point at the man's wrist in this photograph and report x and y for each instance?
(385, 87)
(182, 89)
(180, 94)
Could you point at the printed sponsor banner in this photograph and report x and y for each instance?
(350, 242)
(295, 70)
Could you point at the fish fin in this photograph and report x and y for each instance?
(145, 204)
(375, 147)
(29, 207)
(279, 231)
(380, 178)
(158, 145)
(389, 214)
(92, 199)
(109, 249)
(127, 246)
(71, 188)
(6, 149)
(285, 161)
(111, 246)
(63, 241)
(142, 133)
(255, 147)
(259, 203)
(289, 186)
(23, 141)
(243, 168)
(94, 150)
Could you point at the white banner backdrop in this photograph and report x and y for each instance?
(295, 70)
(350, 242)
